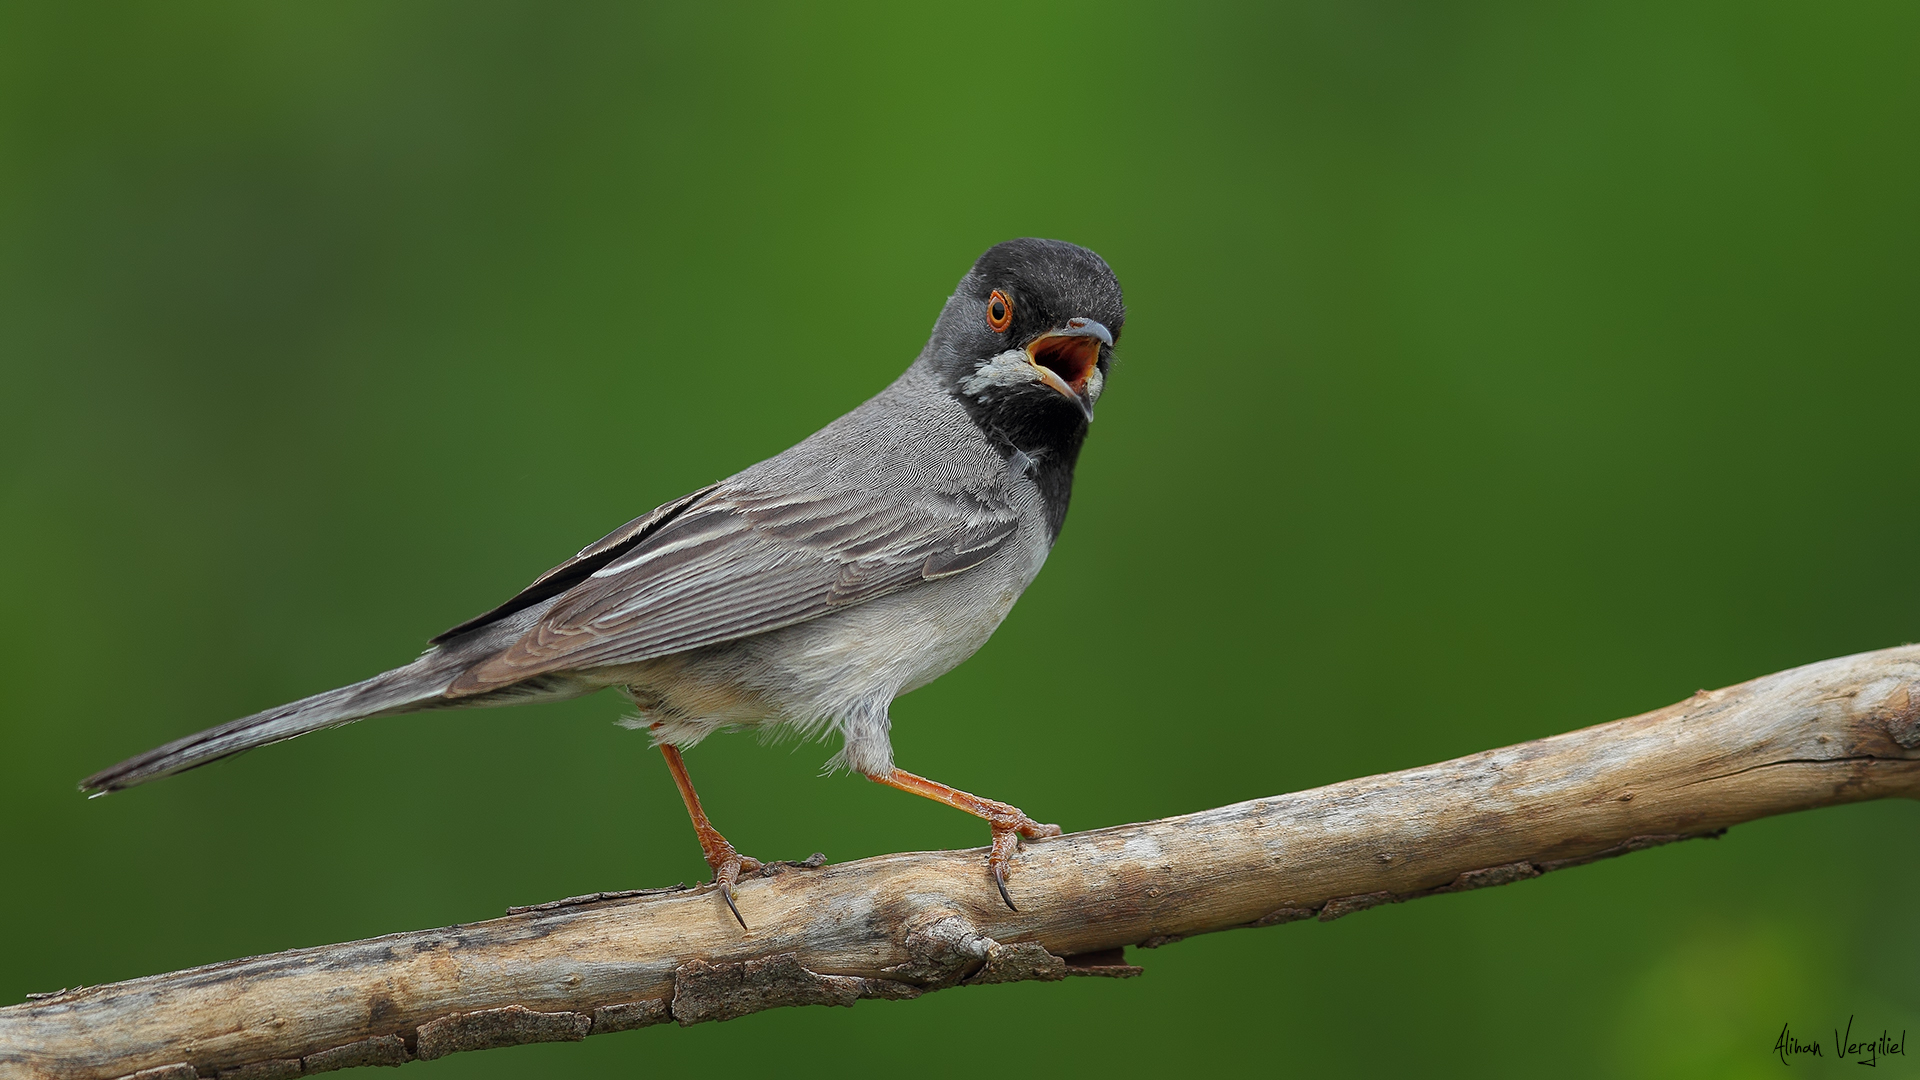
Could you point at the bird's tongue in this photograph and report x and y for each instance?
(1071, 358)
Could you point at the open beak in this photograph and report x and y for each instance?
(1065, 359)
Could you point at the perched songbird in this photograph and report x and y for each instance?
(811, 589)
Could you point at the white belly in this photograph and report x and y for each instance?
(839, 671)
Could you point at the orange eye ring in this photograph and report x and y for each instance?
(999, 312)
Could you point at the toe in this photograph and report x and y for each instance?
(727, 866)
(1005, 842)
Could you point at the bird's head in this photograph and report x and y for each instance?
(1028, 336)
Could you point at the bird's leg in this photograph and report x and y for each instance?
(727, 863)
(1008, 822)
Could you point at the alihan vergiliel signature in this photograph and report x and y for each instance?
(1844, 1047)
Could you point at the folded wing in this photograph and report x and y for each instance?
(733, 561)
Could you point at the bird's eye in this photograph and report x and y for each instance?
(999, 312)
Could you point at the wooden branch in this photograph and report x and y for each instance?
(897, 926)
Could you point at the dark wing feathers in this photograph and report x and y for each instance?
(734, 561)
(582, 566)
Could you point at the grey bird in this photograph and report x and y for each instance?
(809, 590)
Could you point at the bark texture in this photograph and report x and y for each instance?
(898, 926)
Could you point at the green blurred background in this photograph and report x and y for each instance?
(1491, 370)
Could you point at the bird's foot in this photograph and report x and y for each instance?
(1009, 824)
(727, 865)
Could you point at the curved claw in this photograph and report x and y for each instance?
(728, 865)
(726, 893)
(1006, 841)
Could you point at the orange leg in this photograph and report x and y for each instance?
(727, 863)
(1009, 823)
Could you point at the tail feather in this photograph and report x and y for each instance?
(415, 687)
(403, 689)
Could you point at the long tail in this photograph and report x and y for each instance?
(415, 687)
